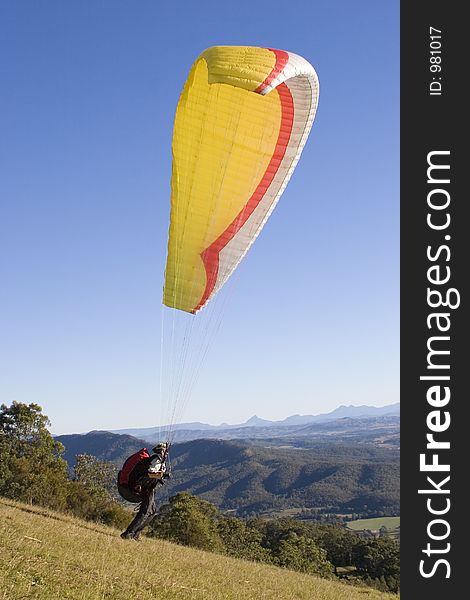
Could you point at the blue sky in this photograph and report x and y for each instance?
(87, 106)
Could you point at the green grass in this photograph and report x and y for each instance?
(50, 556)
(388, 522)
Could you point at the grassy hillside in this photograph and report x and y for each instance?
(47, 556)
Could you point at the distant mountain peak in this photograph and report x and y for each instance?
(256, 421)
(351, 411)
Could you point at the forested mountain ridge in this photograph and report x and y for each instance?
(102, 444)
(251, 479)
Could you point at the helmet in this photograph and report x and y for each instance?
(160, 447)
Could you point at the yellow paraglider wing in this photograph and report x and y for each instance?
(241, 123)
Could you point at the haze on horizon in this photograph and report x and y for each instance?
(256, 419)
(87, 114)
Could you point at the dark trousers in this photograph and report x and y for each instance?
(147, 511)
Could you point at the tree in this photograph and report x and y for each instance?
(5, 462)
(92, 492)
(96, 474)
(241, 540)
(95, 506)
(299, 553)
(338, 543)
(31, 467)
(378, 558)
(189, 521)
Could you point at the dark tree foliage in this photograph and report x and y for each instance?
(93, 492)
(32, 469)
(95, 474)
(377, 563)
(378, 559)
(241, 540)
(300, 553)
(188, 521)
(338, 543)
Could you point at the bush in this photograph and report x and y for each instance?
(115, 515)
(188, 521)
(302, 554)
(241, 540)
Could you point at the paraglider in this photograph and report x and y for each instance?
(241, 123)
(137, 482)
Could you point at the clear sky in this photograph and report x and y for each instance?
(89, 91)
